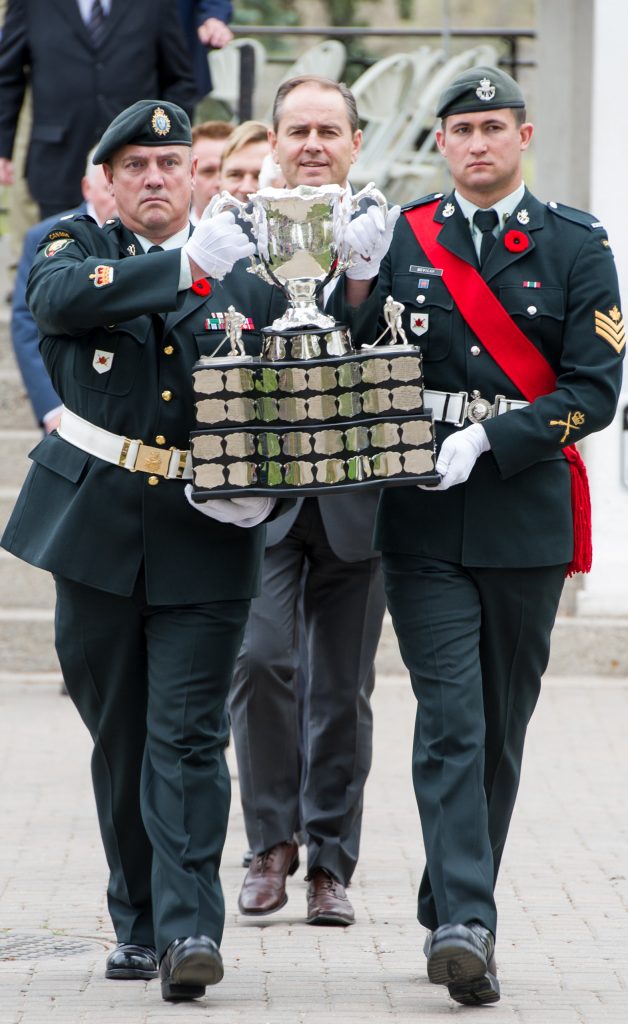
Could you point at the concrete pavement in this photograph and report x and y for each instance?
(563, 895)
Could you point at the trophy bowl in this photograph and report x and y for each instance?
(297, 232)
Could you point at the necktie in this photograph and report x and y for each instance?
(155, 248)
(96, 24)
(486, 221)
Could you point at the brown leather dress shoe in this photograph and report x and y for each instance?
(327, 901)
(264, 887)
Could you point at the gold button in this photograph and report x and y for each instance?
(169, 349)
(153, 480)
(166, 395)
(160, 439)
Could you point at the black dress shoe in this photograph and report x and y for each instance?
(187, 966)
(459, 953)
(131, 962)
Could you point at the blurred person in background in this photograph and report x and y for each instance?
(208, 141)
(99, 204)
(242, 159)
(85, 61)
(205, 26)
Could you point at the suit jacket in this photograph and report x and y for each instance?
(77, 91)
(192, 14)
(515, 509)
(24, 333)
(81, 517)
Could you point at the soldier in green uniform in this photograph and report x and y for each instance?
(474, 568)
(152, 596)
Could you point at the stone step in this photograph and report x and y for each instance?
(15, 408)
(8, 497)
(24, 586)
(580, 646)
(14, 464)
(27, 640)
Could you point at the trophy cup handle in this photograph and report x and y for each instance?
(369, 192)
(225, 201)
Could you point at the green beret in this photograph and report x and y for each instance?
(479, 88)
(145, 123)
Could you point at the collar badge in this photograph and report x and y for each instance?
(523, 217)
(448, 210)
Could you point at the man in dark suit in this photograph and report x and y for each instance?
(515, 304)
(86, 60)
(152, 596)
(323, 553)
(99, 204)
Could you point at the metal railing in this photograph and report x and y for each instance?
(511, 37)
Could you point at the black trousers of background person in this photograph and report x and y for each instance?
(343, 608)
(476, 643)
(150, 683)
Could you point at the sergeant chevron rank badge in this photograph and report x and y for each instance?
(611, 328)
(102, 361)
(102, 276)
(419, 322)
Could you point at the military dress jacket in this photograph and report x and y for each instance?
(119, 345)
(552, 269)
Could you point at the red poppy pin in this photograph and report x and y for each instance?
(202, 286)
(516, 241)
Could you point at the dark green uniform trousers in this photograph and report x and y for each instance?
(476, 643)
(150, 683)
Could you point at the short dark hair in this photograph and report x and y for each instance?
(324, 83)
(212, 130)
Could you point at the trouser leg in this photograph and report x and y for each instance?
(185, 782)
(106, 680)
(436, 612)
(263, 703)
(518, 613)
(343, 608)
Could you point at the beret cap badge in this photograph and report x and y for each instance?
(160, 121)
(485, 91)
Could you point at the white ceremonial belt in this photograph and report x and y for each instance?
(456, 406)
(134, 455)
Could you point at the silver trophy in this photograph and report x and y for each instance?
(312, 415)
(297, 232)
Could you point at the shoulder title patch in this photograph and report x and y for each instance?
(54, 247)
(611, 328)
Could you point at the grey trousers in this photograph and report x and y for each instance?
(319, 788)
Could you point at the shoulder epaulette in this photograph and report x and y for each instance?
(586, 220)
(434, 197)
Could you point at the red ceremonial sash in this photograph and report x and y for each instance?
(513, 352)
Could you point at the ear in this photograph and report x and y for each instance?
(526, 132)
(272, 138)
(440, 140)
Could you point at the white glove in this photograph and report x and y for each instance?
(247, 511)
(366, 240)
(457, 457)
(217, 243)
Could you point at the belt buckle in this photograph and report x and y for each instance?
(479, 409)
(152, 460)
